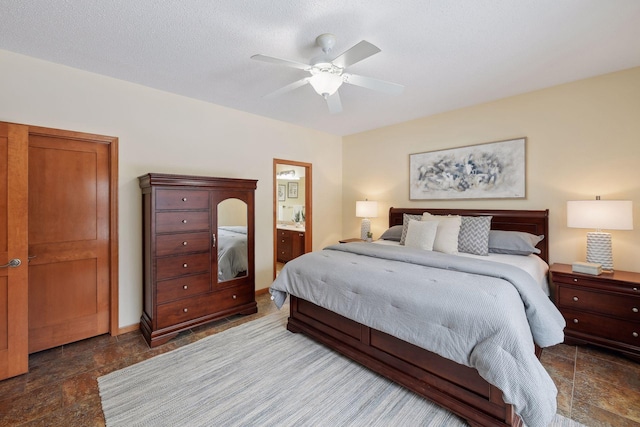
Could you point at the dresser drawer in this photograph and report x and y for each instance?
(601, 326)
(176, 266)
(187, 309)
(625, 307)
(176, 222)
(232, 297)
(177, 244)
(182, 199)
(173, 289)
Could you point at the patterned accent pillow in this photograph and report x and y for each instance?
(474, 235)
(405, 225)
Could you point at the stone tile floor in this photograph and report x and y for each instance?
(597, 388)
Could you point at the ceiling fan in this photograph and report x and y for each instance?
(327, 75)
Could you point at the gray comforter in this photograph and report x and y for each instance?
(477, 313)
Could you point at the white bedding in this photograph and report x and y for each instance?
(532, 264)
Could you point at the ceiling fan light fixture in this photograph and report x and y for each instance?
(325, 83)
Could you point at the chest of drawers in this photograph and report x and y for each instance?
(182, 286)
(603, 310)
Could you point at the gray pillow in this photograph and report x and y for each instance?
(474, 235)
(513, 242)
(405, 225)
(394, 233)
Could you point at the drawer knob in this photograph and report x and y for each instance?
(235, 297)
(184, 221)
(634, 309)
(635, 334)
(184, 243)
(575, 280)
(575, 298)
(185, 309)
(185, 287)
(184, 199)
(635, 289)
(185, 265)
(575, 320)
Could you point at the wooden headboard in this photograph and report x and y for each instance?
(534, 222)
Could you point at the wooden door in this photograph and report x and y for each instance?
(69, 231)
(13, 245)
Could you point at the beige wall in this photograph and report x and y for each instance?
(583, 140)
(162, 132)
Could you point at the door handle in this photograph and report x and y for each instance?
(13, 263)
(213, 241)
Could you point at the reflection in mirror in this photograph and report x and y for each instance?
(232, 239)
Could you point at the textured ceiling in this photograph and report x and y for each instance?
(447, 53)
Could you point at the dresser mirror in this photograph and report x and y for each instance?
(232, 239)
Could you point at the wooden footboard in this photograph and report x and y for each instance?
(455, 387)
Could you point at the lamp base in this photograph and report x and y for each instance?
(365, 227)
(599, 249)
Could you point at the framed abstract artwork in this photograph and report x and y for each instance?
(494, 170)
(282, 192)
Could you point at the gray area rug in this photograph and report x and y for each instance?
(260, 374)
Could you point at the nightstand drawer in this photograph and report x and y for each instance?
(625, 307)
(602, 326)
(603, 281)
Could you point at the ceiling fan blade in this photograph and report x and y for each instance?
(334, 104)
(375, 84)
(285, 62)
(357, 53)
(287, 88)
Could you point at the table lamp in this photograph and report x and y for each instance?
(366, 209)
(600, 214)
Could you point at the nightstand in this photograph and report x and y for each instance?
(355, 239)
(603, 310)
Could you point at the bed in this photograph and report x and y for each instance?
(377, 344)
(232, 252)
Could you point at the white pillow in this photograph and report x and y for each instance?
(421, 234)
(447, 234)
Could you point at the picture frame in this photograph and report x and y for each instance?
(493, 170)
(282, 189)
(292, 190)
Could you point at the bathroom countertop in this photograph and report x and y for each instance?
(290, 227)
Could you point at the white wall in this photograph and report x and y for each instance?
(583, 140)
(162, 132)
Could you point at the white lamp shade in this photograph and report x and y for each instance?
(366, 209)
(600, 214)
